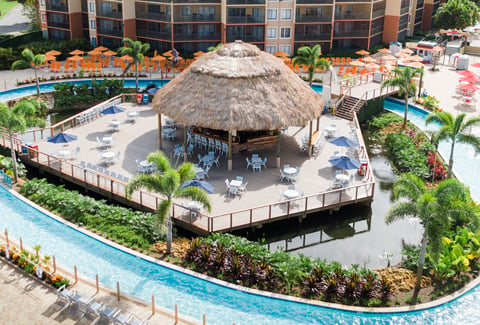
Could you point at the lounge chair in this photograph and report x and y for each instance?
(108, 313)
(63, 295)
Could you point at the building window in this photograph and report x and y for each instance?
(93, 41)
(272, 14)
(286, 14)
(285, 48)
(285, 32)
(186, 11)
(271, 49)
(271, 32)
(45, 33)
(92, 24)
(44, 18)
(91, 6)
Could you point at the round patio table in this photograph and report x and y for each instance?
(290, 170)
(341, 177)
(290, 194)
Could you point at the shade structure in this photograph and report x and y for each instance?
(49, 57)
(168, 53)
(415, 65)
(95, 52)
(77, 52)
(406, 51)
(466, 73)
(281, 54)
(238, 87)
(53, 53)
(468, 87)
(159, 58)
(112, 110)
(389, 57)
(343, 142)
(201, 184)
(362, 52)
(475, 65)
(369, 59)
(109, 53)
(75, 58)
(344, 162)
(101, 48)
(416, 58)
(470, 79)
(126, 58)
(357, 63)
(62, 138)
(384, 50)
(372, 66)
(402, 55)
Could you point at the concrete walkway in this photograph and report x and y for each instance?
(14, 21)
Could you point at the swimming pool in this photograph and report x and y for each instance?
(465, 162)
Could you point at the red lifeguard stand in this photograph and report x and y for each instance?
(363, 167)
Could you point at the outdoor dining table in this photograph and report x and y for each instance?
(115, 124)
(132, 115)
(208, 160)
(256, 160)
(146, 163)
(331, 130)
(64, 153)
(107, 140)
(291, 194)
(108, 156)
(194, 205)
(290, 170)
(341, 177)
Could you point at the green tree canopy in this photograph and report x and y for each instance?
(30, 60)
(310, 56)
(166, 182)
(456, 14)
(137, 51)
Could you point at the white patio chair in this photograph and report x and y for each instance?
(218, 146)
(190, 150)
(228, 186)
(206, 170)
(224, 149)
(216, 161)
(257, 166)
(211, 144)
(249, 163)
(264, 162)
(243, 187)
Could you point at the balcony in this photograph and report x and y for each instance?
(63, 7)
(355, 33)
(313, 19)
(58, 24)
(403, 26)
(378, 13)
(156, 35)
(245, 37)
(404, 10)
(367, 1)
(245, 2)
(160, 1)
(419, 4)
(153, 16)
(376, 30)
(313, 37)
(418, 17)
(245, 20)
(197, 37)
(353, 16)
(109, 14)
(109, 31)
(196, 18)
(314, 2)
(196, 1)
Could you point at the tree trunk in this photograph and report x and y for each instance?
(169, 234)
(36, 81)
(14, 158)
(406, 111)
(450, 160)
(136, 77)
(421, 261)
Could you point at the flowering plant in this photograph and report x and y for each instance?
(436, 166)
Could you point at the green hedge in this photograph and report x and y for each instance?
(16, 41)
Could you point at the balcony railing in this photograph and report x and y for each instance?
(153, 16)
(152, 34)
(420, 4)
(161, 1)
(245, 2)
(403, 26)
(109, 14)
(110, 31)
(245, 20)
(378, 13)
(63, 7)
(196, 17)
(313, 19)
(197, 37)
(353, 16)
(356, 33)
(245, 37)
(197, 1)
(312, 2)
(369, 1)
(376, 30)
(313, 37)
(58, 24)
(418, 17)
(404, 10)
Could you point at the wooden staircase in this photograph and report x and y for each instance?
(349, 105)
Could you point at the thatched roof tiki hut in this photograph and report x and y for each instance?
(238, 88)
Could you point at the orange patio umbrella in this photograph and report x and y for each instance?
(372, 66)
(198, 53)
(168, 53)
(158, 58)
(416, 58)
(384, 50)
(109, 53)
(49, 57)
(53, 53)
(402, 55)
(77, 52)
(75, 58)
(357, 63)
(415, 64)
(126, 58)
(406, 50)
(389, 57)
(101, 48)
(281, 54)
(362, 52)
(94, 52)
(369, 59)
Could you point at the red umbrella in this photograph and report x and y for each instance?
(470, 79)
(475, 65)
(467, 73)
(468, 87)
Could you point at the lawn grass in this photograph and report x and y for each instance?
(5, 6)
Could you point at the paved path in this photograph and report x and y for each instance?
(14, 21)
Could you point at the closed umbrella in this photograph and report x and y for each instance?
(112, 110)
(343, 142)
(62, 138)
(201, 184)
(344, 162)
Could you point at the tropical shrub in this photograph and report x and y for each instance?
(131, 228)
(405, 155)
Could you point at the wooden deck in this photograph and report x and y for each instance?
(260, 204)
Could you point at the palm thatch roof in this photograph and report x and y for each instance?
(238, 87)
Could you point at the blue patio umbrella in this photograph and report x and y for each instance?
(62, 138)
(202, 184)
(343, 142)
(112, 110)
(344, 162)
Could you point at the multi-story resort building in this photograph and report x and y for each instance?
(272, 25)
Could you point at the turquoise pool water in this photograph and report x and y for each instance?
(466, 165)
(195, 296)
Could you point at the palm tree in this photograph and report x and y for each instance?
(310, 56)
(435, 208)
(16, 120)
(137, 51)
(167, 182)
(216, 47)
(30, 60)
(403, 79)
(453, 129)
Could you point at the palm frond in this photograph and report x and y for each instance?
(160, 160)
(195, 194)
(152, 183)
(401, 210)
(163, 210)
